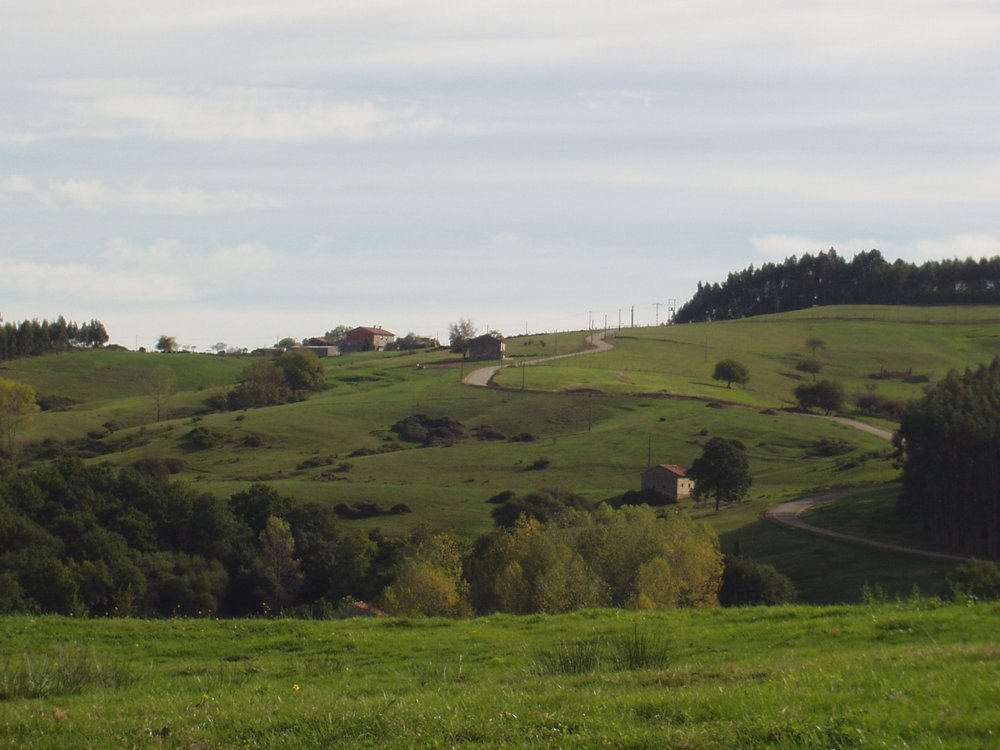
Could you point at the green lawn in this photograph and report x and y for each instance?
(914, 674)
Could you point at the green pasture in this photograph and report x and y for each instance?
(858, 344)
(915, 674)
(599, 419)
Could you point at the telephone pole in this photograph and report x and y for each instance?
(657, 305)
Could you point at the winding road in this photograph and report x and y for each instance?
(483, 377)
(788, 514)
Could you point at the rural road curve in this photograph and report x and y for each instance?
(790, 514)
(786, 514)
(484, 375)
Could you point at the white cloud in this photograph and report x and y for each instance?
(245, 258)
(94, 195)
(184, 260)
(17, 183)
(247, 114)
(80, 281)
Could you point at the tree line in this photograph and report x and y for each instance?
(94, 540)
(950, 442)
(829, 279)
(31, 337)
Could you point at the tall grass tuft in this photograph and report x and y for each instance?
(62, 674)
(640, 649)
(637, 649)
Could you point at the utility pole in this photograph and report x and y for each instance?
(671, 308)
(590, 320)
(633, 317)
(657, 305)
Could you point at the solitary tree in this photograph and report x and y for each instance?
(731, 371)
(810, 365)
(460, 333)
(17, 401)
(814, 344)
(281, 568)
(722, 471)
(337, 333)
(827, 395)
(166, 344)
(162, 385)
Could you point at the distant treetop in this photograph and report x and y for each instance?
(828, 279)
(31, 337)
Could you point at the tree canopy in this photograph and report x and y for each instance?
(722, 471)
(731, 371)
(829, 279)
(460, 333)
(950, 440)
(17, 401)
(827, 395)
(31, 337)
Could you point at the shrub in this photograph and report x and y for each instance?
(827, 395)
(976, 579)
(830, 447)
(540, 463)
(881, 406)
(745, 581)
(419, 428)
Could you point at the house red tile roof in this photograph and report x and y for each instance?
(369, 330)
(674, 469)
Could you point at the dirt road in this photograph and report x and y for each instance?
(790, 515)
(483, 376)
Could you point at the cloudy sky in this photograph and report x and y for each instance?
(245, 170)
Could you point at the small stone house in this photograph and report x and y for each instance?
(486, 346)
(368, 339)
(670, 480)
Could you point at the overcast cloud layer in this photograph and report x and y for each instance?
(244, 171)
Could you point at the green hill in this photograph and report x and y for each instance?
(599, 419)
(915, 675)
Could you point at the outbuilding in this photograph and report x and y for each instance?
(669, 479)
(368, 339)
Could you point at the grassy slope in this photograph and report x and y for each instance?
(905, 675)
(597, 444)
(859, 341)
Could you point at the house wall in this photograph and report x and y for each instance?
(661, 480)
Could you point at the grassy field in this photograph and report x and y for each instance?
(600, 420)
(914, 674)
(859, 341)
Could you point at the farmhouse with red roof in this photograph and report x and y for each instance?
(670, 480)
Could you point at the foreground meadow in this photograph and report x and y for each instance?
(914, 674)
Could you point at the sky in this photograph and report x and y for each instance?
(244, 171)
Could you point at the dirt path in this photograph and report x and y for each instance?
(483, 376)
(790, 515)
(787, 514)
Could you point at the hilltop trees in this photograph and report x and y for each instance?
(460, 333)
(167, 344)
(722, 471)
(31, 337)
(276, 381)
(828, 279)
(950, 442)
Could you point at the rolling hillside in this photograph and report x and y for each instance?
(598, 419)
